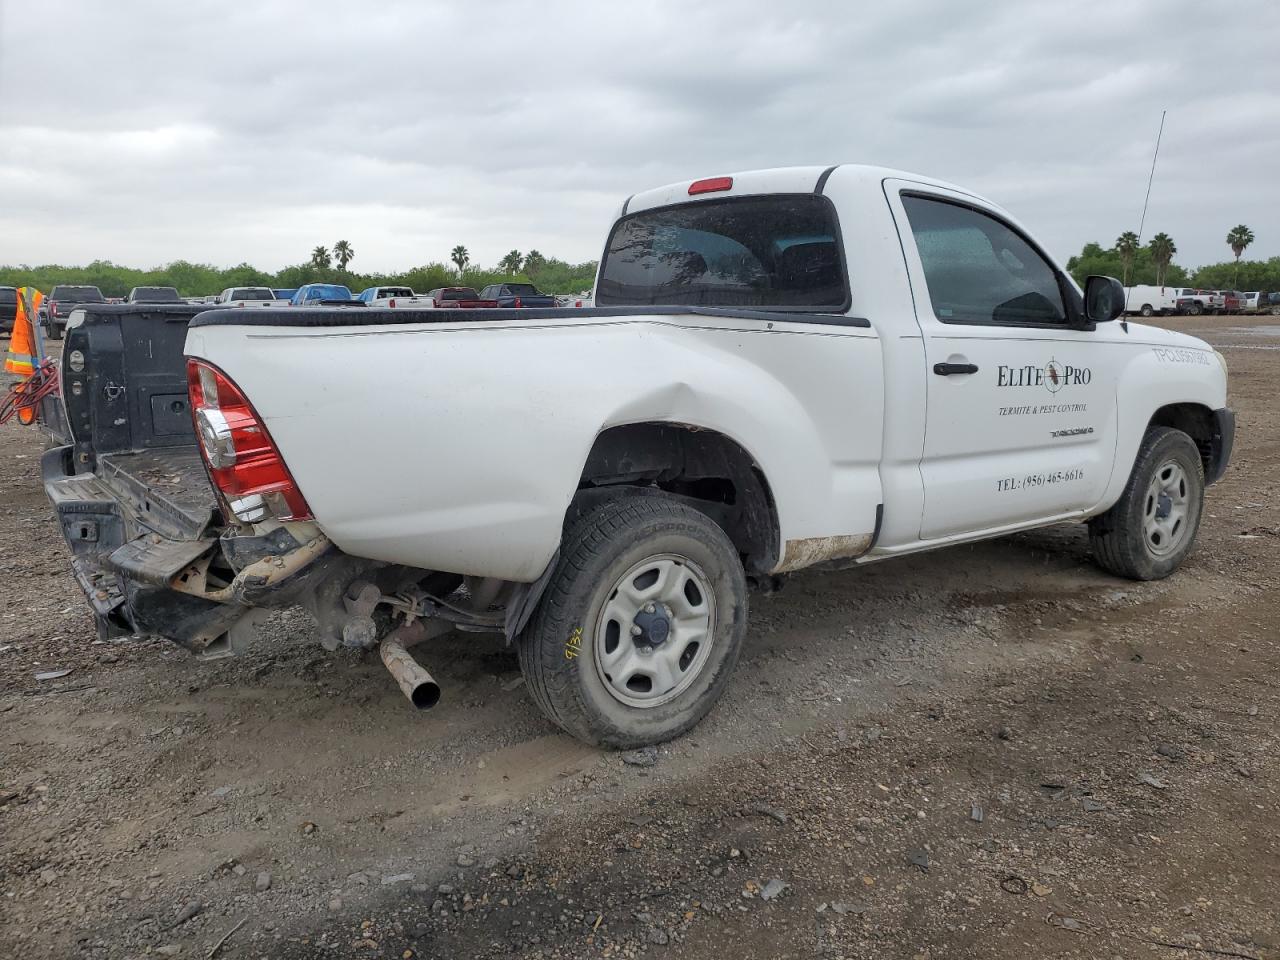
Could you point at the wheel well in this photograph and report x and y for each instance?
(703, 468)
(1193, 419)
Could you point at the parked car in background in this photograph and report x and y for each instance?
(311, 294)
(57, 307)
(247, 297)
(153, 295)
(599, 485)
(1148, 300)
(1250, 301)
(1223, 301)
(459, 297)
(394, 298)
(517, 295)
(1270, 303)
(1192, 301)
(284, 293)
(8, 308)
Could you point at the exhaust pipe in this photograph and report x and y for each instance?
(418, 685)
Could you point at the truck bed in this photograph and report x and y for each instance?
(126, 478)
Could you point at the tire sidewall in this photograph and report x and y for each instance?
(1172, 445)
(601, 718)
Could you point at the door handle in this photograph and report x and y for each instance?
(951, 369)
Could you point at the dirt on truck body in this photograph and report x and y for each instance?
(995, 751)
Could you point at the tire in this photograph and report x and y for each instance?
(1275, 311)
(1147, 311)
(1133, 539)
(1196, 309)
(580, 659)
(52, 331)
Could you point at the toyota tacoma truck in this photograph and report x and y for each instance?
(783, 368)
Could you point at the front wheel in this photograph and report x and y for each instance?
(1152, 527)
(641, 623)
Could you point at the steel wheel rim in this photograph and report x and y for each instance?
(1166, 509)
(638, 663)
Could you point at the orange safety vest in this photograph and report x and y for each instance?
(22, 356)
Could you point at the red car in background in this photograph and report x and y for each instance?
(452, 297)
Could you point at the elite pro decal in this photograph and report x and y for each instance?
(1053, 376)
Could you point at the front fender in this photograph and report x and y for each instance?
(1186, 371)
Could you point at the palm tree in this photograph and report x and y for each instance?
(1162, 250)
(511, 262)
(1127, 247)
(460, 257)
(320, 258)
(343, 252)
(1239, 238)
(533, 261)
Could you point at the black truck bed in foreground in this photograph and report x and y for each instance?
(127, 480)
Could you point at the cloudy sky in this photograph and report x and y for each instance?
(144, 132)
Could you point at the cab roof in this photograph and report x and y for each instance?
(775, 180)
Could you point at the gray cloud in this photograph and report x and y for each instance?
(146, 132)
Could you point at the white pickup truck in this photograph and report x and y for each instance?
(393, 298)
(248, 297)
(783, 368)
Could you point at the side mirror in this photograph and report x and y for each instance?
(1103, 299)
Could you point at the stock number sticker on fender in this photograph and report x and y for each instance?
(1032, 480)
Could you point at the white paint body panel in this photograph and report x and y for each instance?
(459, 446)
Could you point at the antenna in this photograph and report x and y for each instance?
(1143, 222)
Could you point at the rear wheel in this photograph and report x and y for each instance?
(641, 624)
(1147, 311)
(1152, 527)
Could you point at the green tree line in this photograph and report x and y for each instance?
(1229, 275)
(1153, 264)
(201, 279)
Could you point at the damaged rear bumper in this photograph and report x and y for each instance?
(152, 568)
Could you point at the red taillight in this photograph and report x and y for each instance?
(710, 185)
(519, 302)
(392, 303)
(53, 309)
(243, 460)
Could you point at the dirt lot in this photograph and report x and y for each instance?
(994, 751)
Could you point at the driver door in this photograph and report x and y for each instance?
(1021, 407)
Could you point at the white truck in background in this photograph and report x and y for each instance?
(394, 298)
(248, 297)
(782, 368)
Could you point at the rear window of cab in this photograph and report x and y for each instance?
(779, 251)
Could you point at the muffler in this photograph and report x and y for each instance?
(418, 685)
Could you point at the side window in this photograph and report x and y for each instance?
(978, 269)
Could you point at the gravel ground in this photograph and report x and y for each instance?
(992, 751)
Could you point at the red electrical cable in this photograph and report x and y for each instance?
(23, 398)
